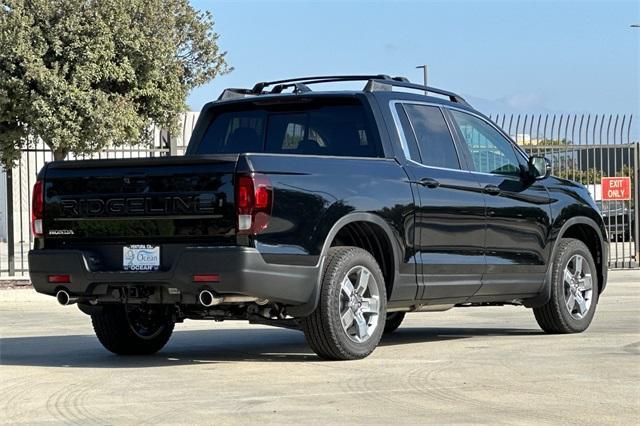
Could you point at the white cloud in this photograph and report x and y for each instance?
(523, 101)
(530, 103)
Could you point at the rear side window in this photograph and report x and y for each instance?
(436, 145)
(320, 129)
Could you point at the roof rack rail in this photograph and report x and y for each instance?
(380, 84)
(375, 82)
(234, 93)
(258, 88)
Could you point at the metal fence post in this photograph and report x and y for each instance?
(10, 231)
(636, 203)
(173, 144)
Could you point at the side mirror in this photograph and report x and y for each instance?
(539, 167)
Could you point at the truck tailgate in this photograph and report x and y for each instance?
(140, 201)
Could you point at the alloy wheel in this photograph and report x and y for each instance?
(359, 304)
(578, 286)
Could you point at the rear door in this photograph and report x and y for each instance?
(517, 209)
(450, 221)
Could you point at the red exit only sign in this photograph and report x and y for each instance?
(616, 188)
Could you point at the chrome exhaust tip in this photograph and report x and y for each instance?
(208, 299)
(63, 298)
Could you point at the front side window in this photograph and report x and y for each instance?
(490, 151)
(435, 143)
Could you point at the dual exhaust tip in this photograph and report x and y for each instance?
(206, 298)
(64, 298)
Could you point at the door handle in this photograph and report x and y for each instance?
(429, 182)
(492, 189)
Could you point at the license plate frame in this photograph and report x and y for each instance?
(140, 258)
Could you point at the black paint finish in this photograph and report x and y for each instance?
(454, 236)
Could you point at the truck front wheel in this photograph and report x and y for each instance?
(133, 329)
(574, 290)
(349, 319)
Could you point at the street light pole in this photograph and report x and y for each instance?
(424, 69)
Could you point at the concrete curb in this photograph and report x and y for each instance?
(11, 283)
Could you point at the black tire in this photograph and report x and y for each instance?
(323, 328)
(121, 333)
(394, 319)
(554, 317)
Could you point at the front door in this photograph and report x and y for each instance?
(517, 210)
(450, 219)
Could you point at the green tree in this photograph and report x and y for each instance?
(84, 74)
(630, 172)
(547, 142)
(585, 177)
(552, 142)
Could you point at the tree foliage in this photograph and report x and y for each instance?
(84, 74)
(585, 177)
(551, 142)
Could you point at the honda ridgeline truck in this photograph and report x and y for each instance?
(332, 212)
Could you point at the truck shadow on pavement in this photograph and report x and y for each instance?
(209, 346)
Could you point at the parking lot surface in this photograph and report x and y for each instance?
(467, 365)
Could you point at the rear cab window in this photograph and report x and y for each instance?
(339, 126)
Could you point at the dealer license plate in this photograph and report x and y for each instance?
(141, 257)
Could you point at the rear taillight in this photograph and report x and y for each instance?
(206, 278)
(59, 279)
(37, 205)
(254, 201)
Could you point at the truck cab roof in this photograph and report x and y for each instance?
(380, 86)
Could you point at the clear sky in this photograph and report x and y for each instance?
(503, 56)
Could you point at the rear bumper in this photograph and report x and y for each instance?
(241, 270)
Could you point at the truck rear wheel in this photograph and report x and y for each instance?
(349, 319)
(133, 329)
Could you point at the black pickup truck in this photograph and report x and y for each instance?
(332, 212)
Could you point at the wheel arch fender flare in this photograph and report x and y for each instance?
(361, 217)
(545, 292)
(307, 308)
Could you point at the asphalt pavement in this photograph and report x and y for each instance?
(467, 365)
